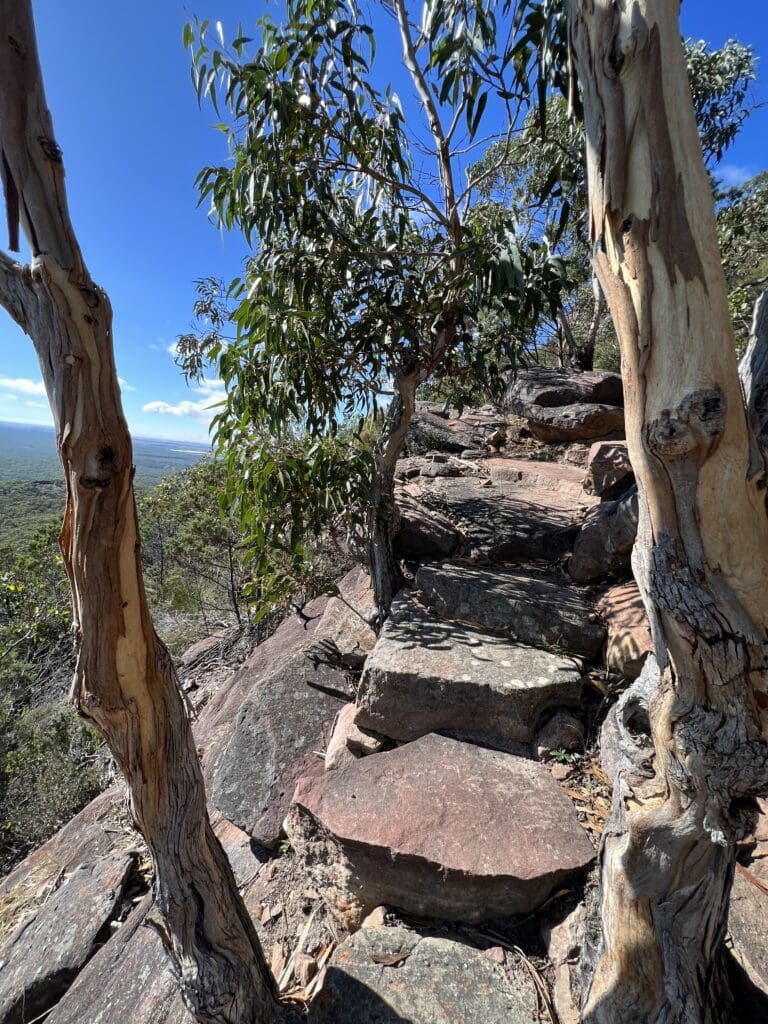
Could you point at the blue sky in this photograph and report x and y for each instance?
(133, 139)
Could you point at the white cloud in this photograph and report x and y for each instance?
(125, 386)
(209, 393)
(172, 349)
(734, 175)
(23, 385)
(36, 405)
(10, 398)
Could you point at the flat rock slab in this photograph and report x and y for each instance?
(536, 609)
(438, 981)
(508, 519)
(432, 675)
(42, 958)
(437, 827)
(286, 718)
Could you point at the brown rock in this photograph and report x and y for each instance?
(575, 422)
(563, 731)
(437, 827)
(564, 941)
(604, 543)
(551, 388)
(609, 471)
(748, 928)
(629, 635)
(287, 718)
(44, 955)
(423, 532)
(349, 741)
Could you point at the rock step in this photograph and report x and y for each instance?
(437, 981)
(427, 674)
(535, 608)
(437, 827)
(522, 511)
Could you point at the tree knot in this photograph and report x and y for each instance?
(693, 429)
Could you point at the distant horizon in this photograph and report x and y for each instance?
(142, 437)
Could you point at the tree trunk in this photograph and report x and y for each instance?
(124, 679)
(385, 575)
(701, 559)
(584, 356)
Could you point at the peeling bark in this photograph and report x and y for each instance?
(753, 371)
(124, 683)
(701, 559)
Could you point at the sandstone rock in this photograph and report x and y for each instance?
(575, 422)
(403, 828)
(563, 731)
(43, 957)
(423, 532)
(609, 471)
(437, 981)
(551, 388)
(129, 981)
(564, 941)
(469, 430)
(748, 928)
(428, 675)
(208, 649)
(540, 476)
(348, 741)
(604, 543)
(92, 834)
(629, 634)
(536, 609)
(285, 719)
(508, 519)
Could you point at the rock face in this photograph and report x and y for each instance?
(534, 608)
(453, 433)
(46, 952)
(629, 634)
(748, 927)
(437, 981)
(609, 471)
(129, 981)
(286, 718)
(402, 828)
(428, 675)
(512, 517)
(604, 543)
(423, 532)
(575, 422)
(551, 388)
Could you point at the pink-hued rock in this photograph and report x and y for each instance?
(437, 827)
(551, 388)
(629, 635)
(541, 476)
(609, 471)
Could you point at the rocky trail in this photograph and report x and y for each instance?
(413, 819)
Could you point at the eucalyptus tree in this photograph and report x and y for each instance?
(124, 681)
(701, 556)
(368, 261)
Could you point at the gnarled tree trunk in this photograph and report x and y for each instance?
(124, 680)
(701, 558)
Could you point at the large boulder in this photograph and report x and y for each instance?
(454, 433)
(519, 513)
(575, 422)
(437, 827)
(44, 955)
(288, 716)
(629, 634)
(604, 543)
(427, 675)
(552, 388)
(388, 975)
(609, 471)
(534, 608)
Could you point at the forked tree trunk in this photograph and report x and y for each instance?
(702, 554)
(124, 680)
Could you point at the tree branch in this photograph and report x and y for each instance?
(14, 291)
